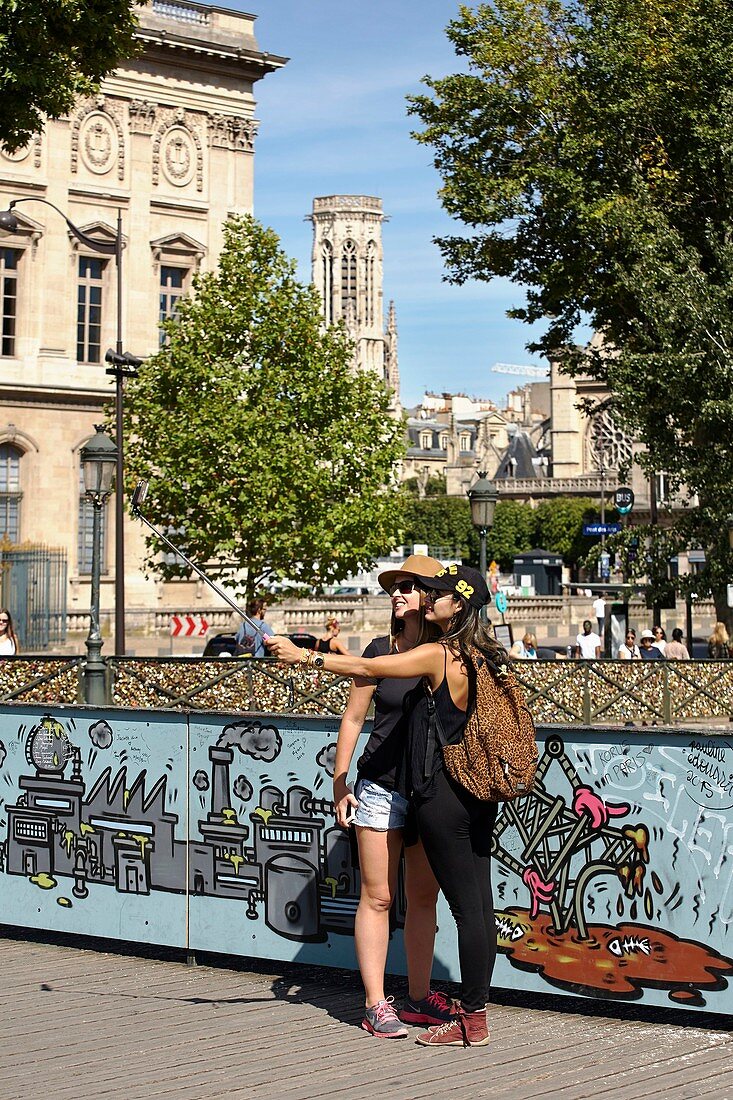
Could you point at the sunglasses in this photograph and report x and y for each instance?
(434, 594)
(4, 620)
(403, 587)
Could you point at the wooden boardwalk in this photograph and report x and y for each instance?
(79, 1023)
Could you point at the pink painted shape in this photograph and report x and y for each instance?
(588, 802)
(541, 892)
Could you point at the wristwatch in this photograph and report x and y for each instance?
(318, 660)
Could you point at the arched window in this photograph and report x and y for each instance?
(86, 520)
(348, 279)
(607, 445)
(327, 285)
(370, 287)
(10, 494)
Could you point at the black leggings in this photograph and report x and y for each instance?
(456, 831)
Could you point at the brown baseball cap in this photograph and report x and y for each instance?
(417, 565)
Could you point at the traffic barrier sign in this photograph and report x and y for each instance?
(185, 626)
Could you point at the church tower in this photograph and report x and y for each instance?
(347, 271)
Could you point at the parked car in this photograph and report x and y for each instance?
(225, 644)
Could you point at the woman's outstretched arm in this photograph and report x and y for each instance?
(424, 660)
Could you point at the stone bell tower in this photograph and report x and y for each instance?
(347, 271)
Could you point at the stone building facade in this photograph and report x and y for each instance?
(169, 142)
(347, 270)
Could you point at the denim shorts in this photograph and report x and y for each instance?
(379, 808)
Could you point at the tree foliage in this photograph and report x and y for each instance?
(588, 151)
(441, 522)
(560, 527)
(513, 532)
(258, 438)
(51, 52)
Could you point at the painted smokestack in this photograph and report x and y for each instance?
(220, 791)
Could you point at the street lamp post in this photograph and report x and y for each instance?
(122, 365)
(98, 460)
(483, 497)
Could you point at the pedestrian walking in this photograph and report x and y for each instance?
(676, 650)
(629, 650)
(599, 610)
(719, 643)
(8, 641)
(248, 639)
(455, 827)
(378, 811)
(329, 642)
(647, 648)
(588, 644)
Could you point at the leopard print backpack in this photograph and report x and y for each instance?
(496, 759)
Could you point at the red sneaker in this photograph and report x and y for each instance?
(466, 1029)
(436, 1008)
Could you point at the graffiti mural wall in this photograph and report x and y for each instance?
(92, 822)
(614, 879)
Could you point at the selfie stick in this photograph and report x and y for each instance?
(138, 498)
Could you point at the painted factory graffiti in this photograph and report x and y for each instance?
(614, 879)
(277, 854)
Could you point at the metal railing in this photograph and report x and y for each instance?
(252, 684)
(603, 692)
(41, 680)
(567, 692)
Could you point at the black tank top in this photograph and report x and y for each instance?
(425, 755)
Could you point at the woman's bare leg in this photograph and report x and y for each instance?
(422, 894)
(379, 856)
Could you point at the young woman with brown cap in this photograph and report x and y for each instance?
(378, 812)
(455, 827)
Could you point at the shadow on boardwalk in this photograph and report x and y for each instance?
(91, 1019)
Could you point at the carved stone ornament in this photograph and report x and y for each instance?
(97, 128)
(99, 143)
(19, 154)
(142, 116)
(232, 132)
(177, 147)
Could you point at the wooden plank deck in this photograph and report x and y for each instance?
(81, 1023)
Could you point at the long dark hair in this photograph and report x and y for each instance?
(467, 632)
(10, 633)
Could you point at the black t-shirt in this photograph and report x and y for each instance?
(381, 761)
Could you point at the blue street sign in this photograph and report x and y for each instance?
(601, 528)
(500, 602)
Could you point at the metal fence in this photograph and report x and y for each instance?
(566, 692)
(33, 586)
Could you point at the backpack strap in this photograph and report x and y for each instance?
(436, 733)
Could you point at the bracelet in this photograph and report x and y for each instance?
(304, 657)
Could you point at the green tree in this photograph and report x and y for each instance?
(587, 151)
(442, 522)
(259, 440)
(51, 52)
(560, 528)
(514, 531)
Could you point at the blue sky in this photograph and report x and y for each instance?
(334, 121)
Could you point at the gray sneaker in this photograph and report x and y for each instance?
(382, 1020)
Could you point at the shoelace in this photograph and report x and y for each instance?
(383, 1011)
(438, 999)
(449, 1024)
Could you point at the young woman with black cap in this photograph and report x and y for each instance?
(378, 812)
(455, 827)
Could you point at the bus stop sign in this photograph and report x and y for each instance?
(623, 498)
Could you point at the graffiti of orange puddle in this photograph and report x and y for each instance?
(613, 961)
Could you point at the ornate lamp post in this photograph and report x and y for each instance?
(122, 365)
(483, 497)
(98, 459)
